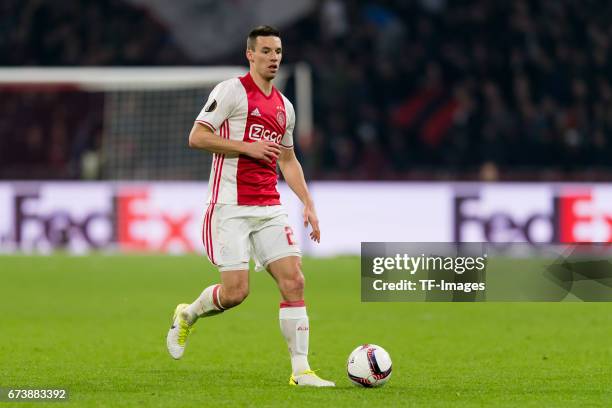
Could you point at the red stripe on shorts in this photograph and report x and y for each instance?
(210, 241)
(206, 234)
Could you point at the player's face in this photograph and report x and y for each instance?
(266, 57)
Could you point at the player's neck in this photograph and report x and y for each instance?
(263, 84)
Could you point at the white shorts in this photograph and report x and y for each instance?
(233, 234)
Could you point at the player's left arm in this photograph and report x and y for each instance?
(292, 171)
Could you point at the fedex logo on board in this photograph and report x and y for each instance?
(134, 210)
(127, 218)
(540, 216)
(259, 132)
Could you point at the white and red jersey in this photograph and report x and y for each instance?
(238, 110)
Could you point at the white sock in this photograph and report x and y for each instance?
(207, 304)
(294, 326)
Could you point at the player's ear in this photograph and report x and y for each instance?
(249, 54)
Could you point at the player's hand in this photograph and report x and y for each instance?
(264, 150)
(310, 217)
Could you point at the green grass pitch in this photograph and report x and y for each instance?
(97, 326)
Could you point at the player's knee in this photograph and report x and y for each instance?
(234, 295)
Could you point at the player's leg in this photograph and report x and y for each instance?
(215, 299)
(232, 291)
(292, 314)
(276, 249)
(226, 239)
(293, 318)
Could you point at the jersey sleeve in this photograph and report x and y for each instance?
(287, 140)
(219, 106)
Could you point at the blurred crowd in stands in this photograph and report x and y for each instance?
(421, 89)
(83, 32)
(46, 134)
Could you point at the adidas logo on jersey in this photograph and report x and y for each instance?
(255, 112)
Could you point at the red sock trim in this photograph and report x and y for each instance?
(295, 303)
(215, 296)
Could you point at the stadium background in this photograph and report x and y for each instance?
(432, 120)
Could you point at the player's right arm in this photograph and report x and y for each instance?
(203, 137)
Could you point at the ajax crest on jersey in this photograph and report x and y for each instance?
(369, 366)
(280, 118)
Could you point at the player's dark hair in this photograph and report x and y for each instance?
(261, 31)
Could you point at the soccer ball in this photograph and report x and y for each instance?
(369, 365)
